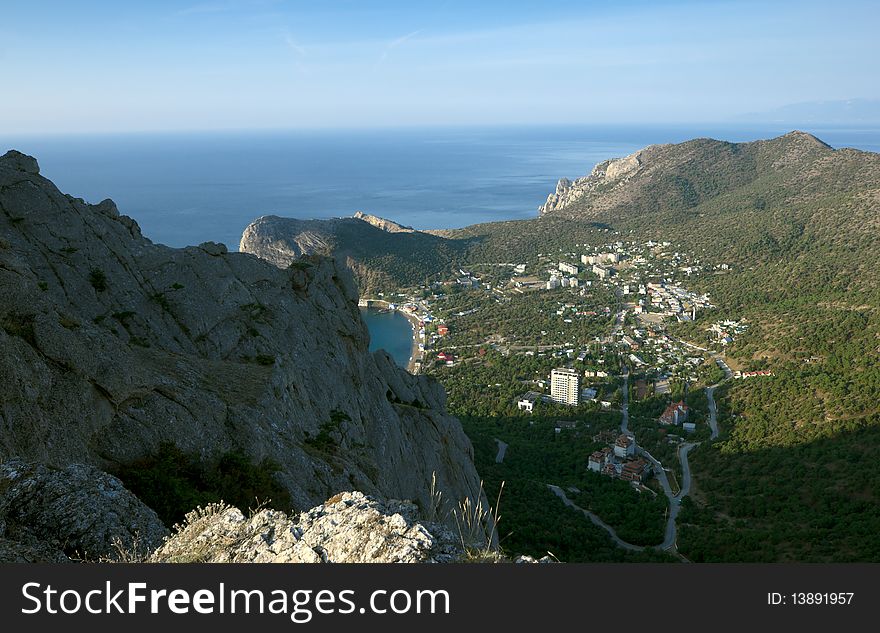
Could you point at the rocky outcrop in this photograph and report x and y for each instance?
(349, 528)
(681, 175)
(382, 254)
(51, 515)
(111, 345)
(607, 174)
(381, 223)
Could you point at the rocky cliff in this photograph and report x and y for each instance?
(381, 223)
(607, 174)
(684, 173)
(382, 254)
(79, 513)
(111, 345)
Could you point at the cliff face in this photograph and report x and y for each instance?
(382, 254)
(111, 344)
(684, 174)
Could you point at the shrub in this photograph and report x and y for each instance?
(98, 279)
(173, 482)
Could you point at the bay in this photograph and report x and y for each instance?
(391, 331)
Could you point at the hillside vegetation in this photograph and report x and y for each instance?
(797, 224)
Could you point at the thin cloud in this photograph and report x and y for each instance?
(394, 44)
(293, 45)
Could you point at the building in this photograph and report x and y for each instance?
(675, 413)
(528, 400)
(571, 269)
(624, 446)
(565, 386)
(446, 357)
(442, 329)
(601, 271)
(599, 459)
(637, 469)
(568, 425)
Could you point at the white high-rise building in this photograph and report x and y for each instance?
(565, 386)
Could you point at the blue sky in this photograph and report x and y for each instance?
(238, 64)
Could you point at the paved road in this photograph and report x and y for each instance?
(596, 520)
(669, 540)
(713, 413)
(683, 451)
(502, 451)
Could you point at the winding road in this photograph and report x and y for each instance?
(596, 520)
(669, 541)
(502, 451)
(713, 412)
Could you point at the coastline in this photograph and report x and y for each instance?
(415, 355)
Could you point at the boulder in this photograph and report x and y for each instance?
(349, 528)
(47, 514)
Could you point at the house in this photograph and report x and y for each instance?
(446, 357)
(442, 329)
(638, 469)
(527, 401)
(624, 446)
(675, 413)
(611, 469)
(596, 461)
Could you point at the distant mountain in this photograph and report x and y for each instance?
(843, 112)
(739, 201)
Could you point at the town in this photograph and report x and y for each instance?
(583, 320)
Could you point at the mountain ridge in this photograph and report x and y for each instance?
(111, 345)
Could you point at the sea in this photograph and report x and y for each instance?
(188, 188)
(391, 331)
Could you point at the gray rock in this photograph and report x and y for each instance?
(349, 528)
(111, 345)
(18, 552)
(78, 511)
(21, 162)
(213, 248)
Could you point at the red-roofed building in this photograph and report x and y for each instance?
(675, 413)
(596, 461)
(636, 470)
(625, 446)
(442, 329)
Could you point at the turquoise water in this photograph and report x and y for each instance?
(389, 331)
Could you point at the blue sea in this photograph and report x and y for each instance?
(190, 188)
(390, 331)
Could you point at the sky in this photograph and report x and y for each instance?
(114, 66)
